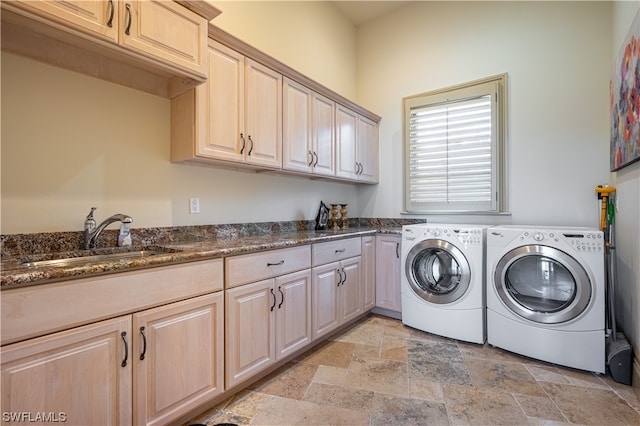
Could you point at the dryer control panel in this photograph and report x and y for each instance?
(586, 242)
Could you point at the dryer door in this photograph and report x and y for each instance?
(437, 271)
(542, 284)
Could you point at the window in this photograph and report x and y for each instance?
(454, 142)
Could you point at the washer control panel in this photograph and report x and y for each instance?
(468, 237)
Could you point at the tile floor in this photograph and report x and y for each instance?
(380, 372)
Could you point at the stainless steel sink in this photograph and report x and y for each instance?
(63, 260)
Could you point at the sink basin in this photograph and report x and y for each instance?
(87, 257)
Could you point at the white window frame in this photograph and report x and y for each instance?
(496, 87)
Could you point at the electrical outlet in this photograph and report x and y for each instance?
(194, 205)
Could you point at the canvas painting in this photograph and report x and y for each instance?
(624, 89)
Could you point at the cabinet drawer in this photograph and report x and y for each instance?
(32, 311)
(332, 251)
(259, 266)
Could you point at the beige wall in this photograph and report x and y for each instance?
(627, 183)
(312, 37)
(70, 142)
(557, 55)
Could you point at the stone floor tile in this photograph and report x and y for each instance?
(506, 376)
(436, 361)
(391, 410)
(367, 333)
(591, 406)
(336, 354)
(543, 373)
(330, 375)
(338, 396)
(378, 375)
(425, 389)
(481, 406)
(394, 348)
(540, 407)
(290, 381)
(284, 411)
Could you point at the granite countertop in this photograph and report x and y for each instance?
(14, 274)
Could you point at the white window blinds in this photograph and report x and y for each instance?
(451, 150)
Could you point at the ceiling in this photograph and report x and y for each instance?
(360, 12)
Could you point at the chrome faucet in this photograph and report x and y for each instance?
(92, 232)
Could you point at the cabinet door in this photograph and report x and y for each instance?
(367, 150)
(293, 312)
(144, 29)
(177, 353)
(346, 125)
(325, 298)
(368, 272)
(263, 115)
(323, 128)
(297, 146)
(80, 376)
(221, 103)
(97, 18)
(250, 330)
(351, 289)
(388, 270)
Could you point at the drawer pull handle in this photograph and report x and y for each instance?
(276, 264)
(344, 280)
(282, 297)
(250, 146)
(126, 348)
(243, 143)
(144, 343)
(398, 250)
(112, 10)
(311, 161)
(274, 300)
(127, 31)
(341, 250)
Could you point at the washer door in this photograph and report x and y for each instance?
(437, 271)
(542, 284)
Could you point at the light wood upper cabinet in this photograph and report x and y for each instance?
(160, 39)
(308, 130)
(367, 150)
(178, 360)
(166, 31)
(356, 146)
(98, 18)
(82, 374)
(235, 117)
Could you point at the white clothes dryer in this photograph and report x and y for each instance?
(442, 285)
(546, 294)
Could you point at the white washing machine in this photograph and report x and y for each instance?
(546, 294)
(442, 286)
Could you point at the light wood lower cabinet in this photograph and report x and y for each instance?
(388, 270)
(266, 321)
(171, 359)
(80, 376)
(368, 273)
(337, 295)
(177, 356)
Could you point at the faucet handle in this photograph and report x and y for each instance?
(89, 222)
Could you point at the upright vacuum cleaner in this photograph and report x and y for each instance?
(619, 352)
